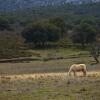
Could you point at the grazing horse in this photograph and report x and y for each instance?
(77, 68)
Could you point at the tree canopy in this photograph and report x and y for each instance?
(84, 33)
(4, 24)
(40, 33)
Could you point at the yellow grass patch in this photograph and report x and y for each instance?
(6, 78)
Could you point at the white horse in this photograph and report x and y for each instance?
(78, 68)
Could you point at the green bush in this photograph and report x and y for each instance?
(11, 45)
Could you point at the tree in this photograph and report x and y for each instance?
(4, 24)
(84, 34)
(95, 51)
(40, 33)
(60, 23)
(12, 45)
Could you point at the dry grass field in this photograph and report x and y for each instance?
(48, 80)
(50, 86)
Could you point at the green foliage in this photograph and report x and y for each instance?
(41, 32)
(60, 23)
(68, 12)
(52, 23)
(4, 24)
(11, 45)
(84, 33)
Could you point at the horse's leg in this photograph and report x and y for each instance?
(84, 72)
(74, 73)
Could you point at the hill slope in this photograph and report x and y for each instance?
(12, 5)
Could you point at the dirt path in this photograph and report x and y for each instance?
(45, 75)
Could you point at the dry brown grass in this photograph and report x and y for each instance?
(50, 86)
(7, 78)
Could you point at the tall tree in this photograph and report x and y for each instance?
(4, 24)
(60, 23)
(40, 33)
(84, 34)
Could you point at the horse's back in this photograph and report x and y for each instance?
(78, 66)
(83, 65)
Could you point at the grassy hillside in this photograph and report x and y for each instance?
(71, 14)
(67, 11)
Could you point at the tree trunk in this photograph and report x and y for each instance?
(95, 53)
(83, 45)
(96, 59)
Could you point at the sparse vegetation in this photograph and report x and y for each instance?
(40, 44)
(12, 46)
(55, 87)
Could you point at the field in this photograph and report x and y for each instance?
(40, 40)
(53, 86)
(48, 80)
